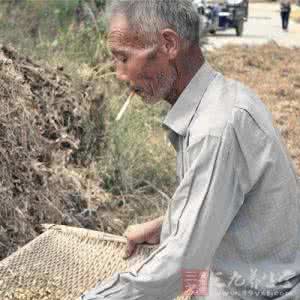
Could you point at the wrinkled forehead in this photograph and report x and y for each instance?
(121, 34)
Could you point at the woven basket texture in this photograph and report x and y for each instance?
(63, 262)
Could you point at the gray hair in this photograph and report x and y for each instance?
(148, 17)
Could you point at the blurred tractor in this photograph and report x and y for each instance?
(217, 16)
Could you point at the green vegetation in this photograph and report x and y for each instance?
(137, 152)
(70, 34)
(55, 30)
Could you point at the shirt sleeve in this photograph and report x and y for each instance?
(199, 214)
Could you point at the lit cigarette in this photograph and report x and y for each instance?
(125, 106)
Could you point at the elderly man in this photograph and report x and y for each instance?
(236, 209)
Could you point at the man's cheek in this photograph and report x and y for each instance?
(135, 70)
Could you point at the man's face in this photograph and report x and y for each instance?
(146, 68)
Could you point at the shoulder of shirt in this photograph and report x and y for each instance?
(228, 103)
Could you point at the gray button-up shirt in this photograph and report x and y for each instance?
(236, 208)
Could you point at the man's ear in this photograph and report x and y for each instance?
(170, 43)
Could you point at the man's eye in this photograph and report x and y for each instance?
(123, 59)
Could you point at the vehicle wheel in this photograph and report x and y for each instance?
(239, 28)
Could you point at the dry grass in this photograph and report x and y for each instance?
(41, 131)
(295, 15)
(273, 72)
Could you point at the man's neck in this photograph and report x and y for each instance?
(187, 66)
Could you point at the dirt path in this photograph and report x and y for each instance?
(264, 25)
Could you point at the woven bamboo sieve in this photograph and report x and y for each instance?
(63, 262)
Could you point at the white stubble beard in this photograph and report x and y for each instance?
(166, 85)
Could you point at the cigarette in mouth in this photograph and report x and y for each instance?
(124, 107)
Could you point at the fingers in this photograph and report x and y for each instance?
(135, 234)
(131, 244)
(142, 233)
(130, 249)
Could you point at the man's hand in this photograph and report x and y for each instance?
(148, 232)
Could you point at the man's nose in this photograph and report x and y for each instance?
(121, 75)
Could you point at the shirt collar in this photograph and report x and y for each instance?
(181, 114)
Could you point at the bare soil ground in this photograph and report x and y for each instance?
(273, 72)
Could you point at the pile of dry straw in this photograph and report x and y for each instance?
(41, 117)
